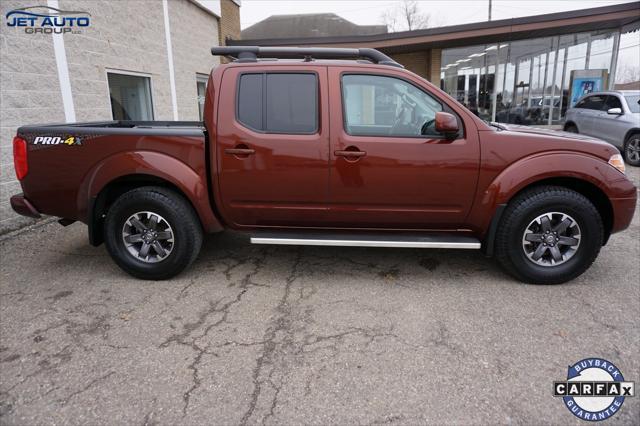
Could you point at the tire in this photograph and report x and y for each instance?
(152, 215)
(571, 128)
(525, 218)
(632, 149)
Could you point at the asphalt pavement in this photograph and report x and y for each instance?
(303, 335)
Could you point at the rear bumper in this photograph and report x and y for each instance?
(623, 210)
(23, 207)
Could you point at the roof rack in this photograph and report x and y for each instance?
(252, 53)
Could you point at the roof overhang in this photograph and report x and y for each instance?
(601, 18)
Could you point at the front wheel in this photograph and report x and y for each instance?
(632, 149)
(152, 233)
(549, 235)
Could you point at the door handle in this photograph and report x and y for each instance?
(344, 153)
(239, 151)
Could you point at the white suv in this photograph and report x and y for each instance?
(611, 116)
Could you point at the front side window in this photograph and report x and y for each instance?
(387, 106)
(612, 102)
(130, 97)
(278, 102)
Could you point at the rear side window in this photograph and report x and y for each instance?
(278, 102)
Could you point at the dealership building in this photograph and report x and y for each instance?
(524, 70)
(138, 60)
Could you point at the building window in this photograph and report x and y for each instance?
(201, 86)
(279, 102)
(130, 97)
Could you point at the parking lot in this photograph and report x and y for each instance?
(288, 335)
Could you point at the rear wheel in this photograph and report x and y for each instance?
(152, 233)
(549, 235)
(632, 149)
(571, 128)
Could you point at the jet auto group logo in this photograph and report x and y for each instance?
(48, 20)
(594, 389)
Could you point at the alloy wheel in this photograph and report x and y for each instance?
(551, 239)
(633, 150)
(148, 237)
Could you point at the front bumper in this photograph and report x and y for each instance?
(623, 210)
(23, 207)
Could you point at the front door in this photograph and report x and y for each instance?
(389, 167)
(272, 146)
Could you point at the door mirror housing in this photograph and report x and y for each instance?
(447, 124)
(614, 111)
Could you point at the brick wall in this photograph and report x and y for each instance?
(230, 21)
(130, 38)
(425, 63)
(29, 94)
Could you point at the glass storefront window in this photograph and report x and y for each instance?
(628, 65)
(529, 81)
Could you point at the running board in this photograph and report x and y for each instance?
(446, 241)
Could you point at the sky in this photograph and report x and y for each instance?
(442, 13)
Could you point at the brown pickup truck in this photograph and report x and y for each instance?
(337, 147)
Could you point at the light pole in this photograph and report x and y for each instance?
(489, 10)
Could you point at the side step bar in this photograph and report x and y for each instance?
(447, 241)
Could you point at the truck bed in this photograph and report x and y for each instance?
(120, 127)
(69, 164)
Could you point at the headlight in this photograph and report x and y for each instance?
(617, 162)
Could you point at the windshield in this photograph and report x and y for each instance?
(634, 102)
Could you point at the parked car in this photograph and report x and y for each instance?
(307, 152)
(611, 116)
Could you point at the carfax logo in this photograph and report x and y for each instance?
(48, 20)
(594, 390)
(57, 140)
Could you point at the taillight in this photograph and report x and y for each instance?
(20, 157)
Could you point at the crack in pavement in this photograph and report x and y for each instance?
(186, 338)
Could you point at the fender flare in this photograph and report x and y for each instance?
(192, 183)
(536, 168)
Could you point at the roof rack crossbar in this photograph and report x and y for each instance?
(252, 53)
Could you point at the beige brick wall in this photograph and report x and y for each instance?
(191, 52)
(130, 38)
(29, 94)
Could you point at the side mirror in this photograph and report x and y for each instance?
(614, 111)
(447, 124)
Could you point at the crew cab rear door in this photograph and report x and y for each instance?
(389, 167)
(272, 146)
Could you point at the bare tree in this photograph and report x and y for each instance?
(405, 16)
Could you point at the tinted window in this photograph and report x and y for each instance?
(595, 102)
(612, 102)
(279, 102)
(250, 101)
(387, 106)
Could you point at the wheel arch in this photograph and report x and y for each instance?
(591, 191)
(630, 132)
(568, 124)
(125, 171)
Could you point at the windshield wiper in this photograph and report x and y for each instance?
(496, 125)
